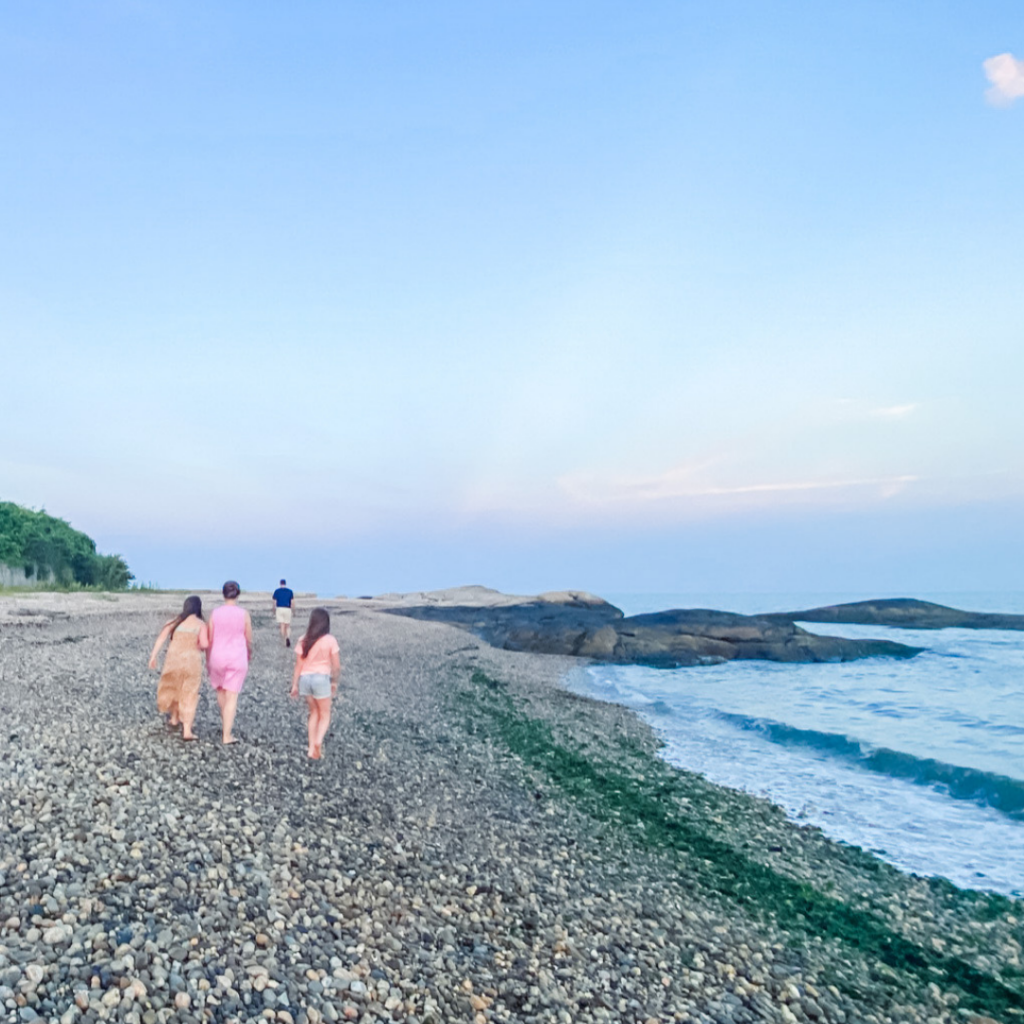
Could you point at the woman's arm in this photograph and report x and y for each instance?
(160, 640)
(248, 634)
(204, 638)
(335, 672)
(295, 675)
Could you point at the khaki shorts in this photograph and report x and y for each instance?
(284, 615)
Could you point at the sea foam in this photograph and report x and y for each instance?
(920, 761)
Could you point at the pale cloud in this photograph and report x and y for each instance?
(1006, 74)
(895, 412)
(682, 482)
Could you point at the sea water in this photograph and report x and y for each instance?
(920, 761)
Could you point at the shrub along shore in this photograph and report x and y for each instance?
(478, 844)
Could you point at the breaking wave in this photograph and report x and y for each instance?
(998, 791)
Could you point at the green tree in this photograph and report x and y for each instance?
(47, 548)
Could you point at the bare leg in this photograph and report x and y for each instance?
(323, 721)
(186, 726)
(228, 707)
(312, 725)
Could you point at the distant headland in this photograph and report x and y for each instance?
(903, 613)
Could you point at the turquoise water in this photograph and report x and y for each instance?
(920, 761)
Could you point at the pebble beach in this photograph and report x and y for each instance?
(478, 844)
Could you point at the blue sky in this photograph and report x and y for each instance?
(664, 296)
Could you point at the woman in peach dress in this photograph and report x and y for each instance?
(177, 693)
(230, 651)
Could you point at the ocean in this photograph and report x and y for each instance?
(920, 761)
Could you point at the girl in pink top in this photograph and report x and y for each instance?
(228, 658)
(317, 669)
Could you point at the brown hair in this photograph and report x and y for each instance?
(192, 606)
(230, 590)
(319, 625)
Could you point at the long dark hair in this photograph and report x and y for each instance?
(319, 625)
(192, 606)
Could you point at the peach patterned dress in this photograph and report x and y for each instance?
(178, 689)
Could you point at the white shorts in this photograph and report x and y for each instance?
(284, 615)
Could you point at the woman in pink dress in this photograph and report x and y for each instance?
(230, 632)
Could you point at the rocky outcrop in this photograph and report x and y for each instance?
(692, 636)
(902, 612)
(585, 626)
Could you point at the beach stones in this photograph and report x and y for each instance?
(423, 871)
(57, 934)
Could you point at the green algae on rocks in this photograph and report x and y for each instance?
(643, 798)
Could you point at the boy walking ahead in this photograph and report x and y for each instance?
(283, 598)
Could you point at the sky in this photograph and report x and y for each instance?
(669, 296)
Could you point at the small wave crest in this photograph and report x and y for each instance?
(998, 791)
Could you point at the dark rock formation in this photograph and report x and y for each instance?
(905, 612)
(598, 630)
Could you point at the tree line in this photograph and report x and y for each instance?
(49, 550)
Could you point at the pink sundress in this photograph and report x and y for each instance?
(229, 654)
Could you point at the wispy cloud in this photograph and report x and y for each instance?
(1006, 74)
(680, 483)
(894, 412)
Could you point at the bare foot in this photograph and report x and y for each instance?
(173, 723)
(188, 737)
(314, 754)
(229, 740)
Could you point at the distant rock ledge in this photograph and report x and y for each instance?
(580, 624)
(904, 613)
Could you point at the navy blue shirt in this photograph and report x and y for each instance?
(283, 597)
